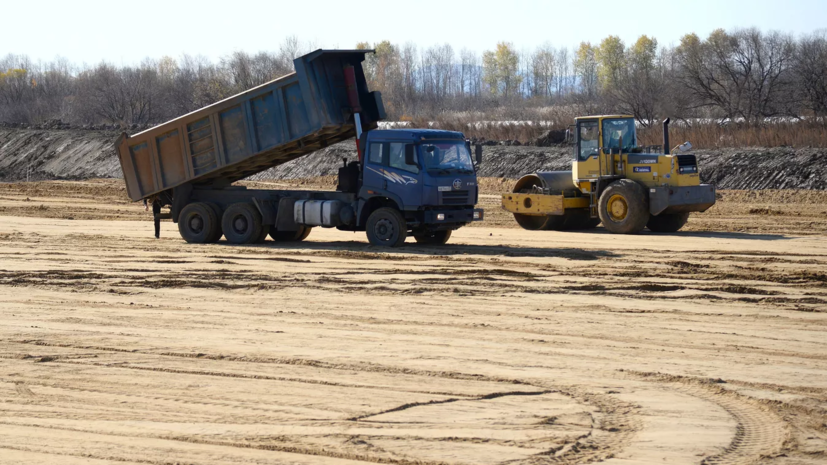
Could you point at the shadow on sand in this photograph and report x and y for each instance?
(449, 249)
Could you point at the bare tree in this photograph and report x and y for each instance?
(810, 69)
(542, 70)
(744, 74)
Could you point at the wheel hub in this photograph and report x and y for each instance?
(384, 229)
(240, 224)
(617, 208)
(196, 224)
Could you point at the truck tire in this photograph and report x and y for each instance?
(290, 236)
(218, 232)
(387, 227)
(197, 223)
(624, 207)
(262, 236)
(241, 223)
(667, 223)
(433, 238)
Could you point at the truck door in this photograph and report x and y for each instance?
(387, 172)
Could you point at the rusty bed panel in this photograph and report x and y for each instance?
(250, 132)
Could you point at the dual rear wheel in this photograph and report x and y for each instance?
(240, 223)
(198, 223)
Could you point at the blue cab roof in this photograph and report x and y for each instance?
(414, 134)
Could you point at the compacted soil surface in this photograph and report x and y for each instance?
(504, 346)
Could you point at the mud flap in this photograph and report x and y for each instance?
(285, 221)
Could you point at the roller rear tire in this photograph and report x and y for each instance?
(667, 223)
(624, 207)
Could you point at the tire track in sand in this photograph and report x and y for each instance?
(759, 433)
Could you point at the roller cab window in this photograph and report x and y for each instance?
(588, 142)
(617, 130)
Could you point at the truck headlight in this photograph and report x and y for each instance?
(440, 216)
(476, 215)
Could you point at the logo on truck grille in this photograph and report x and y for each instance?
(457, 184)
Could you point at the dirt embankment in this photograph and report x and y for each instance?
(48, 154)
(83, 154)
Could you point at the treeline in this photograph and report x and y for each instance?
(743, 75)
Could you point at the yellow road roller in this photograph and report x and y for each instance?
(613, 181)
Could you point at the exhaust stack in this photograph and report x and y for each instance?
(666, 136)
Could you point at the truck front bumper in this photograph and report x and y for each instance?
(681, 199)
(436, 217)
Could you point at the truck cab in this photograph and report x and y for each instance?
(427, 176)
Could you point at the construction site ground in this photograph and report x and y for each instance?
(504, 346)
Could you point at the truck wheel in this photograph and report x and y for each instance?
(290, 236)
(197, 223)
(387, 227)
(262, 236)
(667, 223)
(433, 238)
(217, 233)
(624, 207)
(241, 223)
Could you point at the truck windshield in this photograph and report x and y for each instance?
(447, 156)
(616, 129)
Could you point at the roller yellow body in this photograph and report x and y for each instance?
(613, 181)
(542, 205)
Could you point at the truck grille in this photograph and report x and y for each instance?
(455, 198)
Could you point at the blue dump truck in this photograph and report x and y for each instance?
(416, 182)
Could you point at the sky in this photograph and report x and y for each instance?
(125, 32)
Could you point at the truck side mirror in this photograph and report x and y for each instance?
(410, 159)
(478, 153)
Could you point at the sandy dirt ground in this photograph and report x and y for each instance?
(503, 347)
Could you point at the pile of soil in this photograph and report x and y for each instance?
(82, 154)
(39, 155)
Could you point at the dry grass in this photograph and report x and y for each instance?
(702, 135)
(712, 135)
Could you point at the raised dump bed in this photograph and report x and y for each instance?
(252, 131)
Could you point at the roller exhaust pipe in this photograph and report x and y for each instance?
(666, 136)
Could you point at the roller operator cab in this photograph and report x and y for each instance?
(613, 181)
